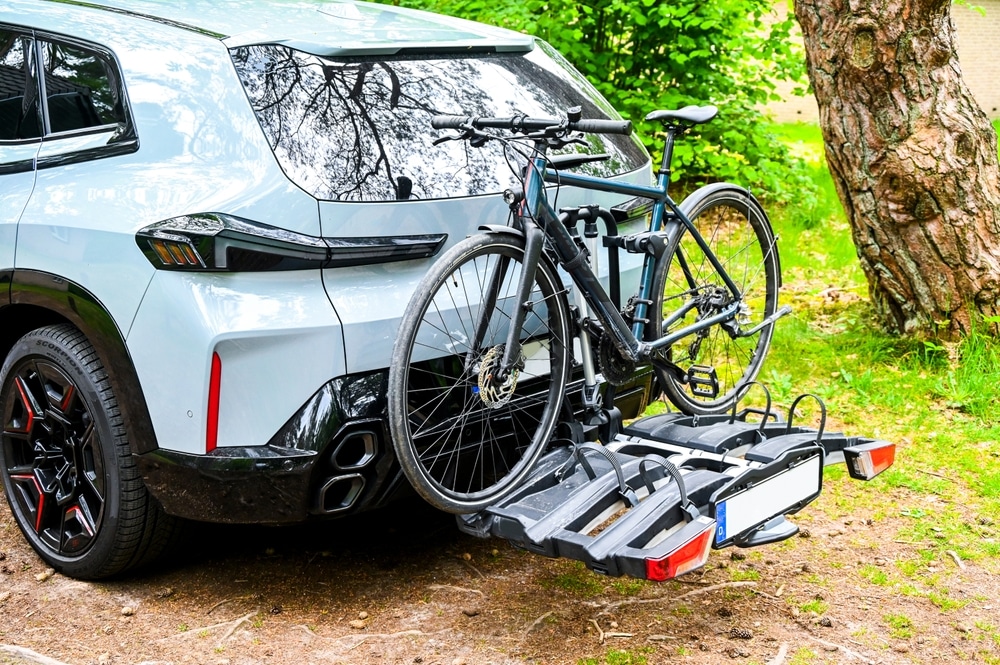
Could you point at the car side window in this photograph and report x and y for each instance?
(19, 117)
(80, 88)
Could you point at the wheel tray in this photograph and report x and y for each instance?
(620, 511)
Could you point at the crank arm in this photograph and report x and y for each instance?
(784, 311)
(667, 366)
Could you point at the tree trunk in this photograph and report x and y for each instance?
(913, 157)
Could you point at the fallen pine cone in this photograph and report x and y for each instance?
(740, 634)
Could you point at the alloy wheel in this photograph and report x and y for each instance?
(52, 459)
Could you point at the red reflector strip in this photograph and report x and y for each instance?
(214, 386)
(689, 556)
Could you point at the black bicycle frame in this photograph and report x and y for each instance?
(536, 211)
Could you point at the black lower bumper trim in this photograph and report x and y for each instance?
(260, 484)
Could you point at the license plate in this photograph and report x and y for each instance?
(787, 490)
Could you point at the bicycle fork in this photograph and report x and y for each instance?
(534, 240)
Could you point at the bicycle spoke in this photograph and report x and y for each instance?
(737, 233)
(465, 446)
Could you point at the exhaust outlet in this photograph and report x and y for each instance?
(355, 451)
(339, 493)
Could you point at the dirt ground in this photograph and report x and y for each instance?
(407, 587)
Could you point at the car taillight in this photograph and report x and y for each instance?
(690, 555)
(866, 461)
(176, 252)
(225, 243)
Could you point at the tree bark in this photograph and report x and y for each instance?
(913, 157)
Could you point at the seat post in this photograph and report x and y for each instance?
(668, 154)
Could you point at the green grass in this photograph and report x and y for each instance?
(619, 657)
(576, 580)
(803, 656)
(628, 586)
(875, 575)
(749, 574)
(900, 626)
(814, 606)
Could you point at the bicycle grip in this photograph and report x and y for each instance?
(602, 126)
(449, 121)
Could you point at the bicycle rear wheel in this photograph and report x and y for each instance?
(722, 358)
(462, 440)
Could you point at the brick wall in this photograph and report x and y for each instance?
(978, 54)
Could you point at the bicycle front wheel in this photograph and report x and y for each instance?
(722, 358)
(462, 439)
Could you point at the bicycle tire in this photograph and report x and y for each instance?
(738, 232)
(462, 447)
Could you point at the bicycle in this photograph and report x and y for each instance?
(484, 351)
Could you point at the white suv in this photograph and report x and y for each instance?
(211, 221)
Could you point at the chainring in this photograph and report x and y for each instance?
(616, 370)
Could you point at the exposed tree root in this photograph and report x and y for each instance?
(230, 627)
(676, 599)
(28, 655)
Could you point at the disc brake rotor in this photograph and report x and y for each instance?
(496, 393)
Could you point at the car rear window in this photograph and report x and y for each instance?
(359, 129)
(80, 88)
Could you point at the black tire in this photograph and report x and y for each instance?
(463, 448)
(65, 460)
(737, 230)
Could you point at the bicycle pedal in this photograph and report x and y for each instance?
(704, 381)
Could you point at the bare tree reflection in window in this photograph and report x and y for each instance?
(360, 129)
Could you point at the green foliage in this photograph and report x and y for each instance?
(645, 55)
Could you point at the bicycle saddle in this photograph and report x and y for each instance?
(694, 115)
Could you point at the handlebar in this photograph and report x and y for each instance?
(522, 123)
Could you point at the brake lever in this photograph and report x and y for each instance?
(558, 142)
(475, 138)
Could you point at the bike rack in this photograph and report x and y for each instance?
(655, 500)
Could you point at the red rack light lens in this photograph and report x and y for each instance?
(866, 462)
(691, 555)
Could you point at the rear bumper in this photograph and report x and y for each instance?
(333, 458)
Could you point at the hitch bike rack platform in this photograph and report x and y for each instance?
(669, 488)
